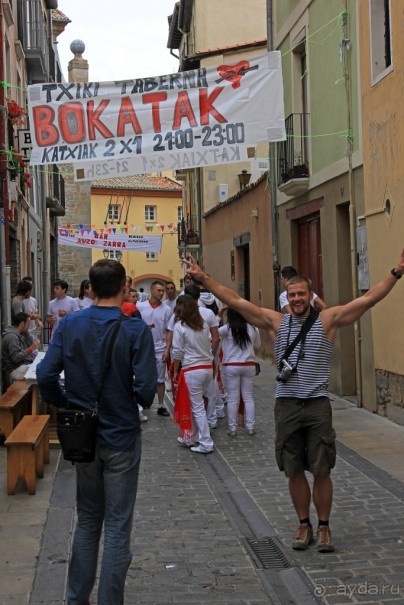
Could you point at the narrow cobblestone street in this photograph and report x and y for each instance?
(218, 528)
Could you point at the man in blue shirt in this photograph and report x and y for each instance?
(106, 488)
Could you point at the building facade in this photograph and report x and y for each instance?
(382, 63)
(144, 205)
(31, 198)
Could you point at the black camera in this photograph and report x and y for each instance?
(285, 372)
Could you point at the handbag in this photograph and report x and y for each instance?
(77, 427)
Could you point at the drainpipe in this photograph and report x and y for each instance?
(45, 249)
(352, 206)
(272, 176)
(4, 228)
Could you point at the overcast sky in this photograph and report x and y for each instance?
(123, 38)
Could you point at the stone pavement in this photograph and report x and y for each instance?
(217, 529)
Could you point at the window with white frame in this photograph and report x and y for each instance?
(114, 212)
(380, 38)
(179, 214)
(151, 256)
(150, 213)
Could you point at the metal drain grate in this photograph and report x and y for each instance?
(267, 554)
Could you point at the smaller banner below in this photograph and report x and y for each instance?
(94, 171)
(110, 241)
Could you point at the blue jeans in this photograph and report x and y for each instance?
(106, 494)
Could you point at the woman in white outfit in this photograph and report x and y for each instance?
(193, 372)
(239, 339)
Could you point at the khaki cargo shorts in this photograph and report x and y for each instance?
(305, 439)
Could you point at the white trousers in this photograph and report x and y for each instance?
(240, 379)
(215, 408)
(198, 382)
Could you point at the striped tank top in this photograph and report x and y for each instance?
(313, 367)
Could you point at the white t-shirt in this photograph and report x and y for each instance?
(170, 303)
(191, 347)
(232, 352)
(68, 304)
(31, 306)
(84, 302)
(283, 299)
(157, 319)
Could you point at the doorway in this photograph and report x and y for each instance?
(309, 251)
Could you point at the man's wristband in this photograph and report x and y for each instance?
(395, 274)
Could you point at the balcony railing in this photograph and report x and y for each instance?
(292, 153)
(32, 33)
(56, 203)
(188, 232)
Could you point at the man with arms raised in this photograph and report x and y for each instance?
(305, 438)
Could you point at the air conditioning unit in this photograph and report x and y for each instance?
(223, 192)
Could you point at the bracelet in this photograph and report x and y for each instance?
(395, 274)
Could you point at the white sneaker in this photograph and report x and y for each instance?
(232, 433)
(143, 418)
(199, 450)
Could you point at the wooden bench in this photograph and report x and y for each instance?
(27, 451)
(14, 404)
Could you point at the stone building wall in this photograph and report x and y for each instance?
(74, 263)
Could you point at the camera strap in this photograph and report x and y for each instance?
(301, 337)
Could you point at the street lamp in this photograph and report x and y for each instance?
(244, 179)
(117, 254)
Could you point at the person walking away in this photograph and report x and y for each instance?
(305, 437)
(16, 355)
(106, 487)
(192, 353)
(215, 406)
(157, 315)
(61, 305)
(239, 339)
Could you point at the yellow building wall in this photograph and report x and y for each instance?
(383, 155)
(221, 23)
(167, 265)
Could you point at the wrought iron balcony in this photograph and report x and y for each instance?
(188, 233)
(32, 32)
(56, 203)
(293, 165)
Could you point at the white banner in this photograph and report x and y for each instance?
(86, 238)
(202, 110)
(92, 171)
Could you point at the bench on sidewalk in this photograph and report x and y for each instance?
(14, 404)
(27, 451)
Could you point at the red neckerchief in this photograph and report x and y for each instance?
(155, 306)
